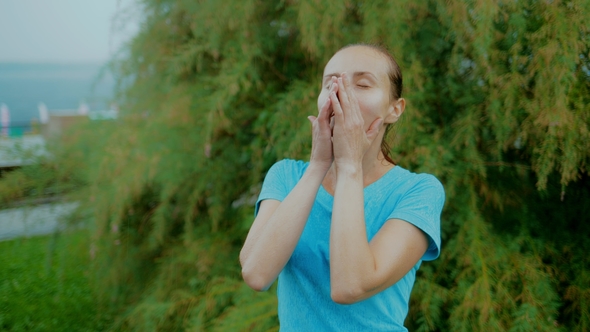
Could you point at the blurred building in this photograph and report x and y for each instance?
(22, 144)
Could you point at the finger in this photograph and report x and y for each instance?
(327, 101)
(351, 96)
(334, 85)
(325, 110)
(374, 129)
(343, 95)
(332, 123)
(338, 114)
(323, 118)
(346, 83)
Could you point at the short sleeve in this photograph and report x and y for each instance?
(421, 206)
(275, 184)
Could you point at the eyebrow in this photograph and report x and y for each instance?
(355, 74)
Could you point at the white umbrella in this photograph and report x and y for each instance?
(43, 113)
(5, 119)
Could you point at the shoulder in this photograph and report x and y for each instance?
(291, 163)
(289, 167)
(420, 199)
(284, 174)
(425, 183)
(280, 179)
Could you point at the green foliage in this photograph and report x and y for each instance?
(41, 180)
(44, 286)
(215, 92)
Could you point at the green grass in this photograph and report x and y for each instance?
(44, 285)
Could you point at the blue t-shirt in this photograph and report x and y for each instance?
(304, 284)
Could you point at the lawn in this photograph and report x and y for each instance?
(44, 285)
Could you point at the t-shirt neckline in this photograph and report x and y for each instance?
(388, 173)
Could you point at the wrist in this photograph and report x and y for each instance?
(318, 168)
(349, 169)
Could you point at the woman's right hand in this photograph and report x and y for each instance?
(322, 153)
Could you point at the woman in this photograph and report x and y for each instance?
(347, 231)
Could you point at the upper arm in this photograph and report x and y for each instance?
(421, 206)
(411, 233)
(266, 209)
(272, 193)
(396, 248)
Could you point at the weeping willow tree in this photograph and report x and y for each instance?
(214, 92)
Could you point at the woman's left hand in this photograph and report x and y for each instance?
(350, 141)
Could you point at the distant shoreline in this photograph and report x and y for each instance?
(23, 85)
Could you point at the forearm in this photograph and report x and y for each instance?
(268, 248)
(352, 263)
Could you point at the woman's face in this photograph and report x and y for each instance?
(368, 72)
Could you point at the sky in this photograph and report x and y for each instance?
(64, 31)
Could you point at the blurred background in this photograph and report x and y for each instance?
(54, 58)
(54, 53)
(136, 135)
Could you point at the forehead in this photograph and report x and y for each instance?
(358, 59)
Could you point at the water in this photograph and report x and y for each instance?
(60, 86)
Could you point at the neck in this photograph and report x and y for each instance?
(374, 167)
